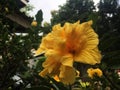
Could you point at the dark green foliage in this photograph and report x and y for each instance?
(108, 30)
(38, 88)
(73, 10)
(39, 17)
(15, 49)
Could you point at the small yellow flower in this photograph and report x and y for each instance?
(94, 72)
(99, 72)
(64, 45)
(90, 72)
(34, 23)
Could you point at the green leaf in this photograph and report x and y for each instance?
(112, 58)
(110, 41)
(38, 88)
(39, 62)
(39, 17)
(58, 85)
(94, 17)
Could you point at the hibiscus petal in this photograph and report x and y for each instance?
(88, 57)
(67, 60)
(44, 72)
(67, 74)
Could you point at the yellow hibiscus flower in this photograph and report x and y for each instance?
(94, 72)
(64, 45)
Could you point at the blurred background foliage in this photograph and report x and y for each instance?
(19, 39)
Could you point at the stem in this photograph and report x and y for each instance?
(70, 87)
